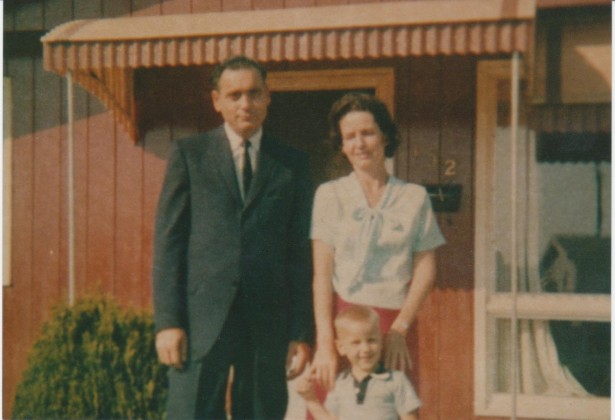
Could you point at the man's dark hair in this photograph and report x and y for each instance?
(355, 101)
(237, 62)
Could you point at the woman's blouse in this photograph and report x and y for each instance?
(374, 247)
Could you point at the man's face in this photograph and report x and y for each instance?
(242, 99)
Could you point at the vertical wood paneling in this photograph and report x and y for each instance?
(330, 2)
(402, 112)
(111, 8)
(439, 115)
(175, 7)
(146, 7)
(403, 106)
(81, 162)
(456, 166)
(17, 299)
(423, 115)
(63, 190)
(46, 211)
(205, 6)
(57, 12)
(30, 16)
(101, 198)
(128, 210)
(156, 146)
(91, 9)
(8, 19)
(235, 5)
(299, 3)
(436, 115)
(456, 278)
(268, 4)
(422, 119)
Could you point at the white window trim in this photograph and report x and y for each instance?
(490, 305)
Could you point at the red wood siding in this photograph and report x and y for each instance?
(117, 186)
(436, 111)
(18, 328)
(46, 14)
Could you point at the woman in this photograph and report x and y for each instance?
(373, 236)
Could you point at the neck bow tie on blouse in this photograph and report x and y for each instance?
(372, 221)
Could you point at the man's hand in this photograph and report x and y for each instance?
(297, 358)
(172, 347)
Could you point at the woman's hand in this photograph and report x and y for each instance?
(324, 366)
(396, 354)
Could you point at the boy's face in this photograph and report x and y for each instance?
(361, 343)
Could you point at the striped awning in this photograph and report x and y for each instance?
(571, 118)
(376, 30)
(101, 54)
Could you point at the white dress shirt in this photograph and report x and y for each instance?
(238, 151)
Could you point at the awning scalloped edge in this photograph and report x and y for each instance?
(344, 44)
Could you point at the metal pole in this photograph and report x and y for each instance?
(71, 191)
(514, 280)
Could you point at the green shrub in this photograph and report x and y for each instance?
(93, 360)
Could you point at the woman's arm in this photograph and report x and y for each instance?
(324, 365)
(423, 278)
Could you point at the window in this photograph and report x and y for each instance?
(542, 258)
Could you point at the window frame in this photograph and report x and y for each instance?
(491, 305)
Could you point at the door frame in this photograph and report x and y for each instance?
(381, 79)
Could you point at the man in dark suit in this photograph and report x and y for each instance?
(231, 273)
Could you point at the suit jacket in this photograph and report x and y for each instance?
(209, 244)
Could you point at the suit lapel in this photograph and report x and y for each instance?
(224, 160)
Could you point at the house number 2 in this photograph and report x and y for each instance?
(450, 167)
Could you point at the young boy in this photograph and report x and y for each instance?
(366, 390)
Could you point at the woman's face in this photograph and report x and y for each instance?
(363, 142)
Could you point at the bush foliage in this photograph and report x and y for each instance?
(93, 360)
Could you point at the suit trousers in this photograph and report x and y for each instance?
(259, 389)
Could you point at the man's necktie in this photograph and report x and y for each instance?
(247, 168)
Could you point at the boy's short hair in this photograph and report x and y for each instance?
(356, 314)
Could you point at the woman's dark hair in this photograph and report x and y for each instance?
(355, 101)
(237, 62)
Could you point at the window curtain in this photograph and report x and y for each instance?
(539, 369)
